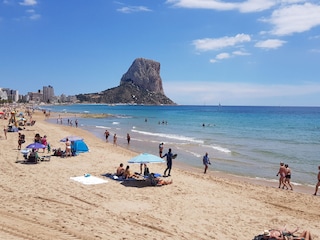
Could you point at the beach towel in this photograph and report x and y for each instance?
(87, 179)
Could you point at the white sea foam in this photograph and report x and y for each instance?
(102, 127)
(170, 136)
(115, 123)
(194, 154)
(123, 116)
(219, 148)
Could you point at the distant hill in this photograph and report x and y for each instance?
(141, 84)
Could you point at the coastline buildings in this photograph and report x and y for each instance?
(46, 95)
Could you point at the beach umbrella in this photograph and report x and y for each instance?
(36, 145)
(71, 138)
(146, 158)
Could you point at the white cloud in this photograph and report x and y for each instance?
(28, 2)
(223, 56)
(246, 6)
(256, 5)
(237, 93)
(130, 9)
(270, 43)
(240, 53)
(208, 44)
(213, 60)
(295, 19)
(204, 4)
(33, 14)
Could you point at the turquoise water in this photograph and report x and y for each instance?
(246, 141)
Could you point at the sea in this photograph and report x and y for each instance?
(247, 141)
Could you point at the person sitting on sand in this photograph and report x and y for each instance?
(286, 235)
(127, 173)
(33, 156)
(158, 181)
(163, 182)
(120, 170)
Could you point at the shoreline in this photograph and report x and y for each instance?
(41, 201)
(300, 188)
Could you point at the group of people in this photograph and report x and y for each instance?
(284, 174)
(115, 137)
(126, 173)
(284, 234)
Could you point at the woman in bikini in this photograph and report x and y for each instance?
(68, 148)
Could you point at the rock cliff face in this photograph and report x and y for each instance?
(145, 74)
(141, 84)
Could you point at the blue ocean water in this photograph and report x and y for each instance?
(246, 141)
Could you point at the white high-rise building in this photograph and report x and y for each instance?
(48, 94)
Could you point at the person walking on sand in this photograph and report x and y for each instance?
(5, 132)
(288, 176)
(206, 162)
(318, 184)
(282, 173)
(169, 162)
(19, 141)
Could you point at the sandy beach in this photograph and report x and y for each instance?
(40, 201)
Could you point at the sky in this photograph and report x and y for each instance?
(254, 52)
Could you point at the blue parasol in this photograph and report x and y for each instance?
(146, 158)
(36, 145)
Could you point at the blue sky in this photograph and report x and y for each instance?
(255, 52)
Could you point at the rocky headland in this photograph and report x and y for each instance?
(141, 84)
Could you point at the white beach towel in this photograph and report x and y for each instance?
(88, 179)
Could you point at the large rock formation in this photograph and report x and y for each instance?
(145, 74)
(141, 84)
